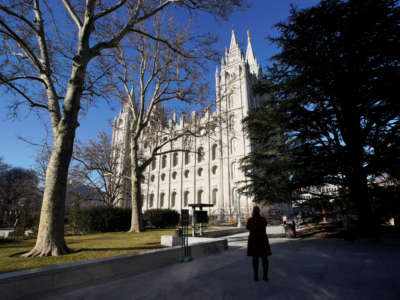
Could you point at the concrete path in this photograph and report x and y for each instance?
(299, 269)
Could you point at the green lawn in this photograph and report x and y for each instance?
(85, 247)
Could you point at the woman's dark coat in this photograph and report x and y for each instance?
(258, 244)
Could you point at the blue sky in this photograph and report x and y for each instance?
(259, 18)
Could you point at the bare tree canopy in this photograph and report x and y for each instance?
(95, 166)
(150, 74)
(55, 56)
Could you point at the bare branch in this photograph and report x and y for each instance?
(6, 81)
(30, 101)
(110, 10)
(168, 44)
(22, 18)
(128, 27)
(72, 13)
(22, 45)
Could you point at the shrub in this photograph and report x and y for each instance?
(104, 219)
(161, 218)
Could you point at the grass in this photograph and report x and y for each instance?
(85, 247)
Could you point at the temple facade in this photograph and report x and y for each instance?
(208, 173)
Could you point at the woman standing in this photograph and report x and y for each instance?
(258, 244)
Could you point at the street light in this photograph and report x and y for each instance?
(239, 223)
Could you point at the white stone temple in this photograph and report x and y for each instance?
(210, 172)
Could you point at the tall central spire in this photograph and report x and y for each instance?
(234, 44)
(234, 54)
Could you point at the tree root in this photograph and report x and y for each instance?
(134, 229)
(47, 251)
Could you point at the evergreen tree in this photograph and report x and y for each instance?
(333, 101)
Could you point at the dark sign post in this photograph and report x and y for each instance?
(193, 222)
(185, 253)
(199, 216)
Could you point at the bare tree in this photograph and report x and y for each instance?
(55, 68)
(96, 164)
(151, 75)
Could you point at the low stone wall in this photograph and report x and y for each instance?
(24, 283)
(223, 232)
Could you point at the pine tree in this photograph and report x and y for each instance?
(333, 100)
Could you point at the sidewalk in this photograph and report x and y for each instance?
(299, 269)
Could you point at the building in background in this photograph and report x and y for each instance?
(209, 172)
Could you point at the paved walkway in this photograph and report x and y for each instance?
(299, 269)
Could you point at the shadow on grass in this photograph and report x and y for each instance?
(7, 241)
(16, 246)
(119, 249)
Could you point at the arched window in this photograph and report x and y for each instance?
(214, 170)
(162, 198)
(186, 198)
(152, 178)
(186, 173)
(187, 157)
(200, 154)
(173, 199)
(151, 201)
(199, 196)
(214, 196)
(214, 152)
(230, 101)
(200, 172)
(233, 145)
(154, 163)
(233, 170)
(162, 177)
(164, 161)
(174, 175)
(175, 159)
(232, 122)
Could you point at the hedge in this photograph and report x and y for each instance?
(161, 218)
(104, 219)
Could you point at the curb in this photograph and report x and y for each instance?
(20, 284)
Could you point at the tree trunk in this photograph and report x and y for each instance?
(50, 240)
(136, 202)
(359, 196)
(355, 173)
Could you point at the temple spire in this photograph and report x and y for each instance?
(234, 43)
(250, 57)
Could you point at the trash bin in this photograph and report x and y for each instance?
(290, 230)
